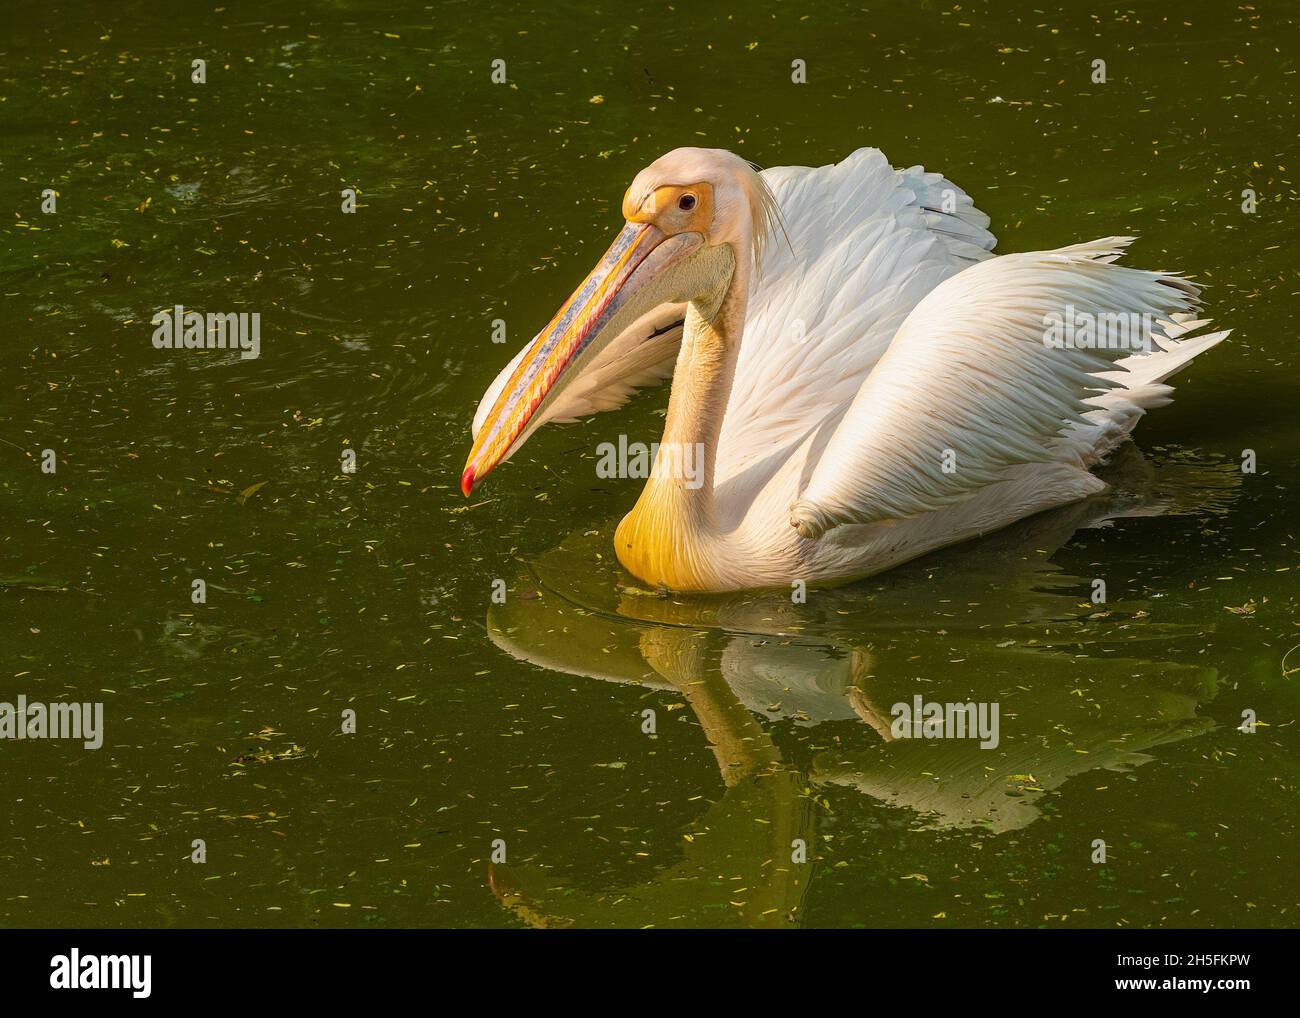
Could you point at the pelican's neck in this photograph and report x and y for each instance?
(663, 540)
(706, 368)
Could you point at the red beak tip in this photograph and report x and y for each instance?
(467, 481)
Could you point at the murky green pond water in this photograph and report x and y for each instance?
(524, 721)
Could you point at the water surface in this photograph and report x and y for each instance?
(524, 721)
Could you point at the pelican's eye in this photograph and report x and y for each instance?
(686, 202)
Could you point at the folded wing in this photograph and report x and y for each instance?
(973, 384)
(865, 243)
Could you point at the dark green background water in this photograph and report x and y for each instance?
(372, 591)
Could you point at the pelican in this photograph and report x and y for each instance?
(863, 380)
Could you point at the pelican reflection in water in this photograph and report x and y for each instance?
(1075, 696)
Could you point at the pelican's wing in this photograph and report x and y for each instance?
(971, 386)
(866, 242)
(642, 355)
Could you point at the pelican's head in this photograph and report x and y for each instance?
(691, 216)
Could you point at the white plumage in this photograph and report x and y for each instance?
(892, 391)
(969, 383)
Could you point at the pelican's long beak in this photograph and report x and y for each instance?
(618, 289)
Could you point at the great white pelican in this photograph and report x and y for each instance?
(864, 380)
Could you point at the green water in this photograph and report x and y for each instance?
(524, 721)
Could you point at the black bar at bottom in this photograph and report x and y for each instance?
(262, 968)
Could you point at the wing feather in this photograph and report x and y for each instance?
(866, 243)
(970, 386)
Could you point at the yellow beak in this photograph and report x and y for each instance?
(580, 320)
